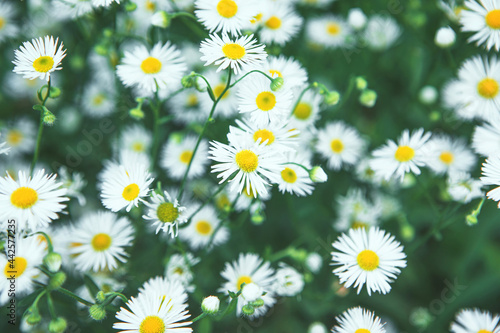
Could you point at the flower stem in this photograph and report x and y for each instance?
(156, 130)
(252, 71)
(201, 316)
(300, 98)
(40, 130)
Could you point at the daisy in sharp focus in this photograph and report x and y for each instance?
(200, 231)
(39, 58)
(160, 68)
(475, 321)
(395, 160)
(32, 201)
(98, 241)
(178, 153)
(445, 154)
(226, 16)
(225, 52)
(7, 28)
(483, 19)
(372, 257)
(166, 214)
(358, 320)
(491, 176)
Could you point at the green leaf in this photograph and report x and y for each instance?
(91, 285)
(54, 92)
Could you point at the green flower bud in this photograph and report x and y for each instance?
(361, 83)
(100, 297)
(33, 315)
(48, 118)
(160, 19)
(97, 313)
(53, 261)
(317, 175)
(136, 113)
(101, 49)
(332, 98)
(277, 83)
(57, 280)
(58, 325)
(258, 217)
(407, 232)
(258, 303)
(130, 6)
(471, 219)
(108, 33)
(248, 309)
(210, 305)
(368, 98)
(189, 80)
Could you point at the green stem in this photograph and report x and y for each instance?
(300, 98)
(252, 71)
(70, 294)
(40, 130)
(156, 131)
(49, 242)
(201, 316)
(347, 94)
(50, 304)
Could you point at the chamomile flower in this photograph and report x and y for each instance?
(451, 9)
(225, 52)
(226, 16)
(24, 267)
(204, 229)
(486, 138)
(475, 320)
(151, 313)
(449, 155)
(340, 145)
(476, 91)
(329, 31)
(294, 178)
(178, 153)
(71, 9)
(356, 211)
(186, 106)
(381, 32)
(20, 136)
(483, 19)
(358, 320)
(135, 138)
(395, 160)
(7, 27)
(491, 176)
(264, 105)
(98, 100)
(370, 257)
(249, 268)
(179, 269)
(252, 166)
(98, 241)
(170, 291)
(124, 186)
(280, 23)
(463, 188)
(165, 213)
(39, 58)
(32, 201)
(288, 282)
(160, 68)
(74, 183)
(228, 103)
(289, 69)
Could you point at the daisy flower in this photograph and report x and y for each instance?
(449, 155)
(179, 269)
(358, 320)
(395, 160)
(483, 19)
(381, 32)
(289, 69)
(32, 201)
(20, 136)
(166, 214)
(451, 9)
(7, 28)
(370, 257)
(264, 105)
(476, 91)
(170, 291)
(160, 68)
(307, 110)
(475, 321)
(486, 138)
(340, 145)
(204, 229)
(124, 186)
(228, 16)
(39, 58)
(249, 268)
(98, 100)
(186, 106)
(135, 138)
(224, 52)
(151, 313)
(328, 31)
(98, 241)
(280, 23)
(228, 104)
(356, 211)
(74, 183)
(254, 165)
(463, 188)
(288, 282)
(294, 178)
(29, 255)
(178, 153)
(70, 9)
(491, 176)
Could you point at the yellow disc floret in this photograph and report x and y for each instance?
(488, 88)
(263, 135)
(152, 324)
(247, 160)
(131, 192)
(404, 154)
(14, 137)
(15, 268)
(333, 28)
(101, 242)
(446, 157)
(337, 146)
(43, 64)
(151, 65)
(24, 197)
(204, 228)
(368, 260)
(302, 111)
(265, 101)
(186, 156)
(493, 19)
(167, 212)
(243, 279)
(227, 8)
(289, 175)
(233, 51)
(362, 330)
(273, 23)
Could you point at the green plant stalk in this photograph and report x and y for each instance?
(156, 130)
(40, 130)
(252, 71)
(201, 316)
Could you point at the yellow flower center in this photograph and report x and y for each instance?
(233, 51)
(222, 201)
(167, 212)
(265, 101)
(404, 154)
(150, 6)
(358, 224)
(362, 330)
(275, 71)
(243, 279)
(17, 268)
(192, 100)
(493, 19)
(218, 91)
(446, 157)
(178, 270)
(151, 65)
(368, 260)
(43, 64)
(14, 137)
(131, 192)
(98, 99)
(24, 197)
(302, 111)
(264, 135)
(186, 156)
(152, 324)
(101, 242)
(204, 228)
(273, 23)
(333, 28)
(138, 147)
(488, 88)
(256, 18)
(337, 146)
(247, 160)
(227, 8)
(484, 331)
(289, 175)
(2, 22)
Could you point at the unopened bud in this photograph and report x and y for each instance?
(49, 118)
(58, 325)
(57, 280)
(317, 175)
(136, 113)
(210, 304)
(258, 303)
(53, 261)
(100, 297)
(407, 232)
(258, 217)
(101, 49)
(248, 309)
(368, 98)
(33, 315)
(96, 312)
(471, 219)
(332, 98)
(445, 37)
(160, 19)
(277, 83)
(361, 83)
(130, 6)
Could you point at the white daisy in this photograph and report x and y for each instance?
(370, 257)
(170, 291)
(289, 69)
(160, 68)
(381, 32)
(483, 19)
(71, 9)
(491, 176)
(203, 228)
(7, 27)
(32, 201)
(135, 138)
(451, 9)
(249, 268)
(280, 23)
(340, 145)
(358, 320)
(449, 155)
(228, 104)
(395, 160)
(475, 321)
(228, 16)
(264, 105)
(463, 188)
(18, 87)
(329, 31)
(254, 166)
(39, 58)
(179, 268)
(486, 138)
(186, 106)
(98, 100)
(74, 183)
(98, 241)
(224, 52)
(288, 282)
(178, 153)
(294, 178)
(124, 186)
(356, 211)
(165, 213)
(20, 136)
(307, 110)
